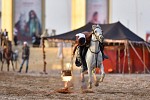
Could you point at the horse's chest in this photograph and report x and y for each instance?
(94, 46)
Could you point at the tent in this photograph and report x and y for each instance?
(128, 53)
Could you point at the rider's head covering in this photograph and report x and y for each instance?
(25, 43)
(81, 38)
(80, 35)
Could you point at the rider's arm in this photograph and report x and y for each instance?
(74, 48)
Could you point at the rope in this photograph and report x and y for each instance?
(96, 57)
(147, 48)
(96, 54)
(139, 56)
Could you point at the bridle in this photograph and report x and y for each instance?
(99, 43)
(99, 37)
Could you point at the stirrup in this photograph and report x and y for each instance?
(105, 56)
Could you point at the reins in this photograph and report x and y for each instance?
(96, 53)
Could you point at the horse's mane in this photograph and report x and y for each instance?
(88, 36)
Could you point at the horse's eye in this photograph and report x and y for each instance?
(95, 31)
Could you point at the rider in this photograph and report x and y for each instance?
(83, 43)
(7, 44)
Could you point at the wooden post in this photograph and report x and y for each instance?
(139, 57)
(124, 59)
(44, 56)
(62, 59)
(128, 54)
(71, 58)
(119, 59)
(144, 57)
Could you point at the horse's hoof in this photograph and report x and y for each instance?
(97, 83)
(90, 86)
(83, 86)
(102, 78)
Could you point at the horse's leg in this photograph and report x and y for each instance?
(82, 77)
(95, 78)
(13, 65)
(2, 65)
(89, 63)
(8, 65)
(102, 73)
(83, 83)
(100, 64)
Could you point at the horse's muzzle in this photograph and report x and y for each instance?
(101, 38)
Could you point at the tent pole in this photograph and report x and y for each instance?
(71, 57)
(119, 59)
(147, 48)
(144, 57)
(139, 56)
(128, 54)
(124, 59)
(44, 56)
(62, 59)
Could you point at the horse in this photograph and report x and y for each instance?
(94, 56)
(7, 56)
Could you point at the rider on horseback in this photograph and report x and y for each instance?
(7, 44)
(83, 43)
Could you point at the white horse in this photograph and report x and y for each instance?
(94, 56)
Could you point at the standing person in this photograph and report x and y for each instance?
(15, 36)
(25, 56)
(53, 32)
(4, 38)
(1, 36)
(5, 33)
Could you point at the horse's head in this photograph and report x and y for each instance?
(97, 31)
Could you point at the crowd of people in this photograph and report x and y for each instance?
(6, 43)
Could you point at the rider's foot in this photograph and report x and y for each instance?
(105, 56)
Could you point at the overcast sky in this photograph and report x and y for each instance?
(135, 14)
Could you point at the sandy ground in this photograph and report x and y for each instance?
(37, 86)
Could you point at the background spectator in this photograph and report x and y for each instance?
(25, 56)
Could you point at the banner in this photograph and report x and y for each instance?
(97, 11)
(27, 19)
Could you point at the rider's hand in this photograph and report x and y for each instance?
(72, 55)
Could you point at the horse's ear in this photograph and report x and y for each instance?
(94, 26)
(97, 25)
